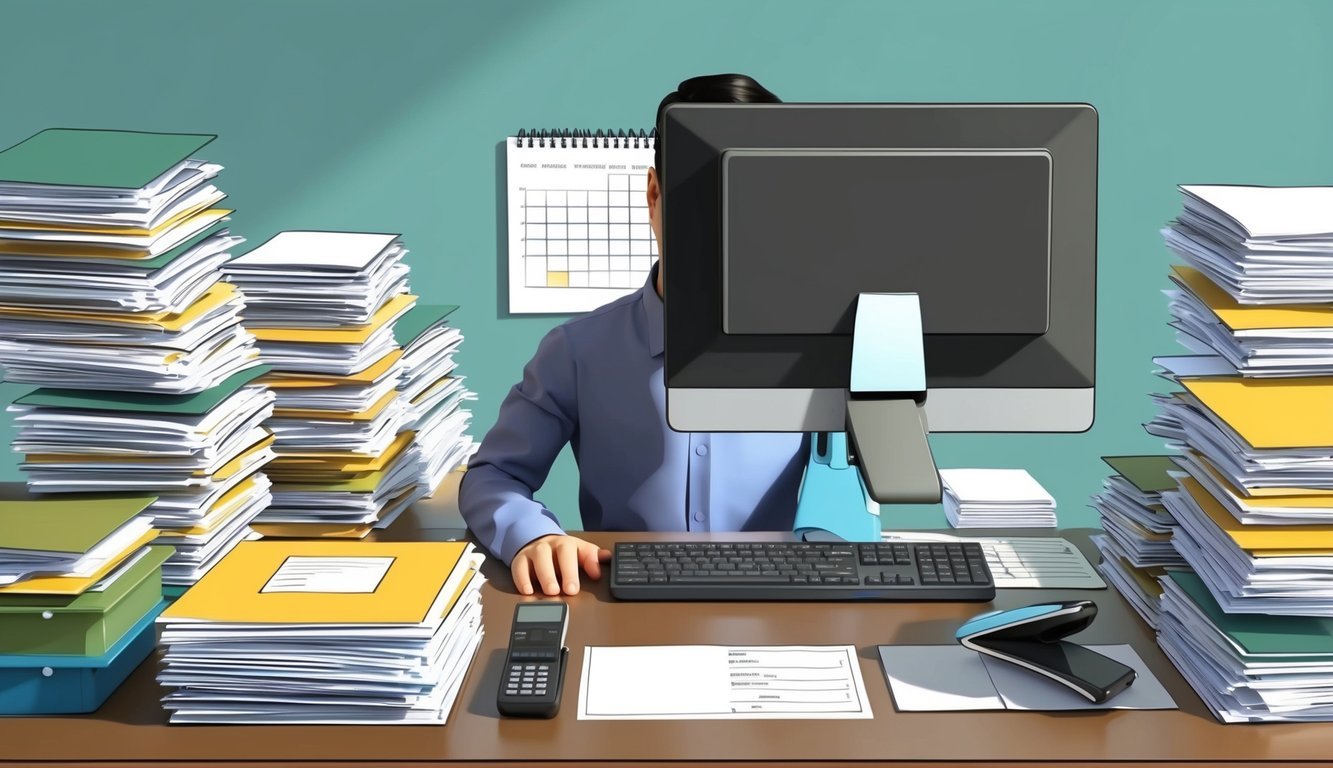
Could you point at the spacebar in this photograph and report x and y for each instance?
(729, 579)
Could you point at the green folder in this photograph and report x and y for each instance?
(418, 319)
(75, 157)
(1147, 473)
(196, 404)
(1280, 638)
(86, 625)
(65, 525)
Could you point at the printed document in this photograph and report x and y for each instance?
(714, 682)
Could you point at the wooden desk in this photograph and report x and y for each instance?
(131, 728)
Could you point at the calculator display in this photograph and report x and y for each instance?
(539, 613)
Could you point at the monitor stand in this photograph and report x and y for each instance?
(888, 459)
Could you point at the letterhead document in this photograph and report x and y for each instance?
(715, 682)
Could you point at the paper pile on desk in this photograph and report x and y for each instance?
(363, 427)
(996, 498)
(1247, 668)
(109, 257)
(335, 632)
(1137, 548)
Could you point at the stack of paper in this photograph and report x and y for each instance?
(1287, 340)
(434, 394)
(343, 632)
(996, 498)
(1137, 548)
(79, 589)
(200, 455)
(1262, 245)
(363, 427)
(109, 257)
(1247, 668)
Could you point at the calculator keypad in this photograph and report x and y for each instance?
(527, 679)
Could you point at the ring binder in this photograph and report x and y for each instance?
(579, 138)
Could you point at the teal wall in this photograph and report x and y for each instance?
(386, 116)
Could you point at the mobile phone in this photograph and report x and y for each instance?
(1092, 675)
(534, 671)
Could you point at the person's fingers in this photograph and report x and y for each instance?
(567, 557)
(541, 560)
(604, 555)
(521, 569)
(588, 556)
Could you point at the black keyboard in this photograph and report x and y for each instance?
(800, 571)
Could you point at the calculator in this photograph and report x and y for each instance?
(534, 670)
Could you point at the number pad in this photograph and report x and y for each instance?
(527, 679)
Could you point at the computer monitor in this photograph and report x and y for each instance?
(777, 216)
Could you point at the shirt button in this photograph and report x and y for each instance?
(702, 450)
(699, 516)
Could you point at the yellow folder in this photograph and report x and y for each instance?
(165, 226)
(221, 512)
(214, 297)
(233, 591)
(1239, 317)
(368, 414)
(74, 585)
(242, 459)
(1271, 413)
(311, 530)
(59, 248)
(354, 334)
(280, 380)
(1262, 539)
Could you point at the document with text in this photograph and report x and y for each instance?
(715, 682)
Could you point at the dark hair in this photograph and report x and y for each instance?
(712, 89)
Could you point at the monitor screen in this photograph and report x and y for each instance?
(806, 231)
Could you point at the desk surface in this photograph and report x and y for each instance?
(132, 727)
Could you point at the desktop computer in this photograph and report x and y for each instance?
(786, 229)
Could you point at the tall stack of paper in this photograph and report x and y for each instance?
(1136, 548)
(363, 427)
(109, 252)
(434, 394)
(996, 498)
(1254, 499)
(1247, 668)
(200, 455)
(344, 632)
(79, 589)
(112, 298)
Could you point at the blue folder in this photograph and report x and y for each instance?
(33, 684)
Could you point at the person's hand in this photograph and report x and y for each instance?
(553, 561)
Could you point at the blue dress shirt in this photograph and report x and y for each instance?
(596, 382)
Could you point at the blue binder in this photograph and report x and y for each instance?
(61, 685)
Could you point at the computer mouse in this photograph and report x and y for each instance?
(1043, 622)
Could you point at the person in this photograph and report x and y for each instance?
(596, 382)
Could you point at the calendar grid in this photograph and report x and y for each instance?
(579, 238)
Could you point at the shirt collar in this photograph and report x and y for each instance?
(654, 312)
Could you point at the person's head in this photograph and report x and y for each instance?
(705, 89)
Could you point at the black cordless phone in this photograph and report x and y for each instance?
(534, 670)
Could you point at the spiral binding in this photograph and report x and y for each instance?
(580, 138)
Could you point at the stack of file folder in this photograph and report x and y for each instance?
(1254, 495)
(199, 455)
(363, 427)
(109, 265)
(434, 394)
(113, 299)
(1247, 668)
(1136, 547)
(338, 632)
(80, 591)
(996, 498)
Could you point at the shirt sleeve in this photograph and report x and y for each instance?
(536, 419)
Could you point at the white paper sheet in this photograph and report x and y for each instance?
(704, 682)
